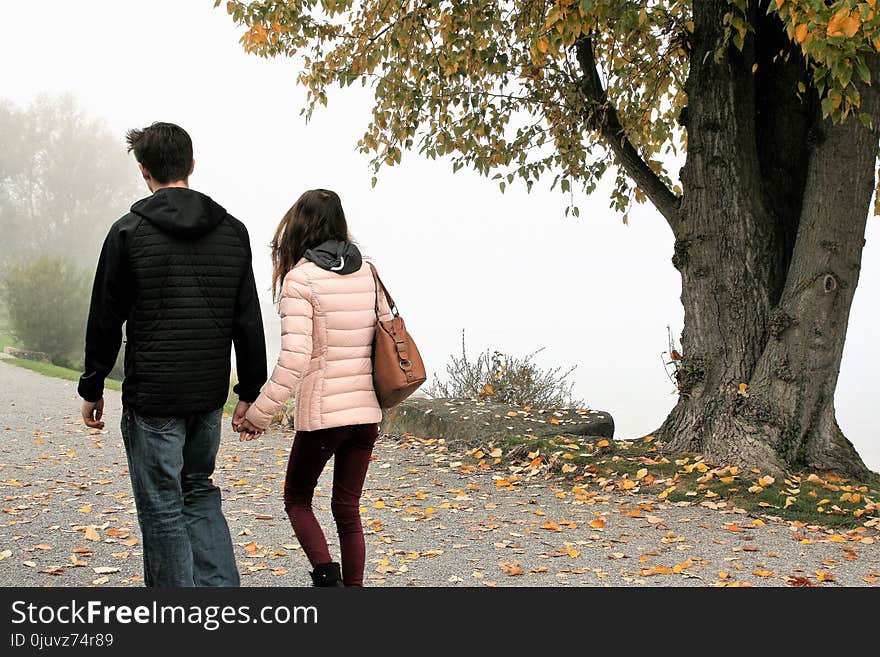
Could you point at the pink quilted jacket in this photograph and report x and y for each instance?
(327, 325)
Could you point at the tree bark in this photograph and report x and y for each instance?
(792, 390)
(771, 229)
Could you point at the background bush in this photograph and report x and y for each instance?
(47, 301)
(507, 379)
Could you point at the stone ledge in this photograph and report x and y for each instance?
(39, 356)
(471, 423)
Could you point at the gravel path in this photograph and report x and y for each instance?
(431, 520)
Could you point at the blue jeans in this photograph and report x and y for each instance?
(185, 536)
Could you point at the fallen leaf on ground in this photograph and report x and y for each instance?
(512, 568)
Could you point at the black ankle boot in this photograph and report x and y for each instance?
(327, 574)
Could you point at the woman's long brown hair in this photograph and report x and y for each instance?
(316, 217)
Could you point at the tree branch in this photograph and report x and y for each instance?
(604, 119)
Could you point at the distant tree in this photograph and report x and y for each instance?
(774, 102)
(47, 300)
(64, 178)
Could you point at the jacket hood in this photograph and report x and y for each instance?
(183, 212)
(339, 257)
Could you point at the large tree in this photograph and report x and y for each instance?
(771, 104)
(64, 178)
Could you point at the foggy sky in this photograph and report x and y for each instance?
(453, 250)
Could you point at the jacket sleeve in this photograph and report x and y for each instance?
(296, 311)
(248, 338)
(112, 294)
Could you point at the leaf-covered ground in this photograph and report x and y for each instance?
(433, 518)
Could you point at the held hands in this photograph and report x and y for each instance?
(242, 425)
(92, 412)
(248, 431)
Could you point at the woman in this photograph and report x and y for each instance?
(328, 305)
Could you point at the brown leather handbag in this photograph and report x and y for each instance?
(398, 369)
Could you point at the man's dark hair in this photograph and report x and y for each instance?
(164, 149)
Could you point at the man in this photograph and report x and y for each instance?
(177, 271)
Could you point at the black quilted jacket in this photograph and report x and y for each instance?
(177, 271)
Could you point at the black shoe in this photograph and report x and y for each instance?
(327, 574)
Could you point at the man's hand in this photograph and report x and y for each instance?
(92, 413)
(237, 416)
(241, 425)
(248, 431)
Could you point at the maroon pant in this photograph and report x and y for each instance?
(352, 446)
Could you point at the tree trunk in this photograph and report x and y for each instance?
(769, 246)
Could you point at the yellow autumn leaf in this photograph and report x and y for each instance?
(551, 525)
(553, 420)
(511, 569)
(800, 33)
(762, 573)
(643, 472)
(379, 504)
(597, 523)
(495, 453)
(92, 534)
(766, 480)
(851, 25)
(835, 25)
(488, 389)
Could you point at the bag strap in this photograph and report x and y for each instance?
(378, 283)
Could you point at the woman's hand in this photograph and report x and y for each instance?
(248, 431)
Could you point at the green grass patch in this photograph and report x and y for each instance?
(229, 406)
(57, 371)
(7, 340)
(641, 469)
